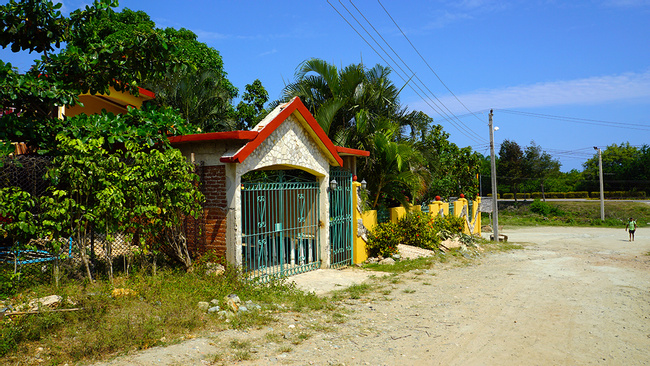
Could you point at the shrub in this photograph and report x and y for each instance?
(508, 196)
(383, 240)
(448, 226)
(417, 229)
(582, 194)
(544, 209)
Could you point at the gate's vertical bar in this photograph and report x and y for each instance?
(350, 228)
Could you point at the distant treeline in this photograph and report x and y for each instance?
(580, 194)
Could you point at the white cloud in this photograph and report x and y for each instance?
(205, 36)
(268, 52)
(588, 91)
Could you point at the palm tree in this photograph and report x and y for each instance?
(359, 108)
(200, 96)
(336, 96)
(396, 170)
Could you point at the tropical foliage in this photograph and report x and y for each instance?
(410, 157)
(110, 171)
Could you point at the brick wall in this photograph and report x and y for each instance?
(213, 236)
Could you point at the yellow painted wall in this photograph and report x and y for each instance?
(369, 219)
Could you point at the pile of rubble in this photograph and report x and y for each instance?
(232, 305)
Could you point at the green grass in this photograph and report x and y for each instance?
(353, 292)
(164, 310)
(580, 213)
(405, 265)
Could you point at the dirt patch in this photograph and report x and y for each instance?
(571, 296)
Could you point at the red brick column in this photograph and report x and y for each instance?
(214, 214)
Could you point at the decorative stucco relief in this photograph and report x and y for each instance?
(290, 145)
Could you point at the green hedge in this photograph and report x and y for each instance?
(582, 194)
(619, 194)
(579, 194)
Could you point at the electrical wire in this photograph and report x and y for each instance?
(636, 126)
(425, 61)
(438, 109)
(414, 73)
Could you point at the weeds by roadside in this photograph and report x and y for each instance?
(161, 309)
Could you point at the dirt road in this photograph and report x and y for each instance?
(572, 296)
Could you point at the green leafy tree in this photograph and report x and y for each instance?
(32, 26)
(359, 108)
(18, 222)
(623, 168)
(335, 96)
(77, 175)
(95, 189)
(453, 170)
(199, 57)
(165, 193)
(396, 172)
(251, 110)
(93, 60)
(510, 169)
(539, 166)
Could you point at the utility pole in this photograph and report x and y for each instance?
(495, 203)
(602, 193)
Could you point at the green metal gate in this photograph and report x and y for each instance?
(340, 218)
(280, 225)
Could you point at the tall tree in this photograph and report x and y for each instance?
(91, 62)
(251, 109)
(622, 166)
(335, 96)
(359, 108)
(453, 170)
(538, 167)
(510, 169)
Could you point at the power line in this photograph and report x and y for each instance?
(441, 111)
(637, 126)
(460, 129)
(423, 59)
(412, 72)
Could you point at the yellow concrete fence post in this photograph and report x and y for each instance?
(359, 253)
(396, 213)
(476, 215)
(459, 205)
(434, 208)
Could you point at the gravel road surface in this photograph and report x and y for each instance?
(572, 296)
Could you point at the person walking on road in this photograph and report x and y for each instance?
(631, 228)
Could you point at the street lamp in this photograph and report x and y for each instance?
(333, 185)
(602, 193)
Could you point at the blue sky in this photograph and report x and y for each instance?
(534, 62)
